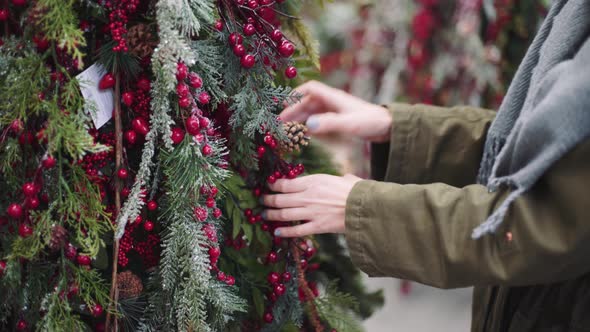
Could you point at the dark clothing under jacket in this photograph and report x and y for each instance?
(533, 274)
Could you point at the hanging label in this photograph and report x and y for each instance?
(99, 103)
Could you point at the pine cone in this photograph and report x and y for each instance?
(296, 138)
(59, 237)
(141, 40)
(129, 285)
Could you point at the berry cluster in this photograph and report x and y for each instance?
(118, 18)
(255, 34)
(148, 249)
(201, 215)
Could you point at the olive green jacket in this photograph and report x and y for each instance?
(531, 275)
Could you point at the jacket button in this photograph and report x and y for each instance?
(509, 236)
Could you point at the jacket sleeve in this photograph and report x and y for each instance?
(423, 232)
(432, 144)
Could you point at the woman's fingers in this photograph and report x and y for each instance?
(290, 185)
(317, 98)
(300, 110)
(298, 231)
(289, 214)
(284, 200)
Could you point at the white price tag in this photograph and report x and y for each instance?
(102, 100)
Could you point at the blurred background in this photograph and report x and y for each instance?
(437, 52)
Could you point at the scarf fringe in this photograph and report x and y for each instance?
(492, 223)
(494, 145)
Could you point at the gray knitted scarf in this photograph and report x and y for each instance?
(546, 111)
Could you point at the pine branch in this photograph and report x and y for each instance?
(59, 23)
(336, 308)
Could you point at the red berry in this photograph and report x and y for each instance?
(268, 139)
(15, 211)
(83, 260)
(70, 252)
(184, 102)
(25, 230)
(291, 174)
(204, 122)
(239, 50)
(152, 205)
(272, 257)
(192, 125)
(279, 289)
(253, 4)
(216, 213)
(219, 25)
(131, 136)
(144, 84)
(261, 150)
(177, 135)
(248, 212)
(249, 29)
(214, 252)
(21, 325)
(4, 14)
(221, 276)
(29, 189)
(125, 192)
(273, 278)
(182, 90)
(48, 162)
(195, 81)
(248, 61)
(128, 98)
(230, 280)
(19, 2)
(204, 98)
(207, 150)
(291, 72)
(181, 71)
(268, 317)
(286, 276)
(235, 38)
(201, 213)
(276, 35)
(303, 263)
(122, 174)
(107, 81)
(286, 49)
(210, 202)
(267, 14)
(2, 267)
(271, 179)
(97, 310)
(32, 203)
(199, 138)
(16, 126)
(148, 226)
(140, 125)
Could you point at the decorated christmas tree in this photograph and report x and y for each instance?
(136, 139)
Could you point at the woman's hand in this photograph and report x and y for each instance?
(320, 200)
(328, 110)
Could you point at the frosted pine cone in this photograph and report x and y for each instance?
(296, 136)
(59, 236)
(141, 40)
(129, 285)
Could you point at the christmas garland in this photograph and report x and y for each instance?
(147, 217)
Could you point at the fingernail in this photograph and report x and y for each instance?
(277, 232)
(312, 123)
(263, 214)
